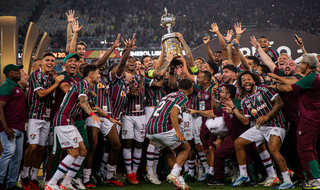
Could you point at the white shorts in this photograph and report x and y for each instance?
(38, 131)
(68, 136)
(104, 126)
(187, 126)
(163, 140)
(134, 127)
(197, 122)
(259, 136)
(148, 111)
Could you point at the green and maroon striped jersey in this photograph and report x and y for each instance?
(118, 95)
(135, 105)
(261, 101)
(202, 97)
(103, 98)
(160, 121)
(59, 94)
(70, 107)
(39, 108)
(153, 94)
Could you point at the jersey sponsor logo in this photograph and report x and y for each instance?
(33, 136)
(261, 107)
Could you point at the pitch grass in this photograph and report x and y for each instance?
(164, 186)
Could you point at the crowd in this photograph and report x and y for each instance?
(255, 117)
(192, 19)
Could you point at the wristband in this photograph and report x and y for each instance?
(238, 35)
(108, 116)
(228, 42)
(234, 107)
(92, 114)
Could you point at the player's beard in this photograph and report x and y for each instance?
(250, 90)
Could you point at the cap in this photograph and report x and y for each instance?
(11, 67)
(71, 55)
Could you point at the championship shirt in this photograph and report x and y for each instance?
(260, 104)
(118, 91)
(160, 121)
(15, 109)
(153, 94)
(309, 102)
(135, 105)
(39, 108)
(70, 107)
(59, 94)
(234, 125)
(272, 53)
(103, 98)
(291, 108)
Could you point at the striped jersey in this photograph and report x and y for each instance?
(202, 97)
(59, 94)
(273, 54)
(160, 121)
(39, 108)
(135, 105)
(261, 101)
(70, 107)
(103, 98)
(153, 94)
(118, 95)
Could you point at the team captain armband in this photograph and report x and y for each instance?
(92, 114)
(194, 69)
(108, 116)
(150, 73)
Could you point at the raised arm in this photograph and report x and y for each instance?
(187, 49)
(161, 58)
(300, 44)
(105, 56)
(70, 18)
(206, 41)
(239, 31)
(215, 29)
(162, 70)
(243, 60)
(129, 46)
(185, 73)
(283, 80)
(264, 57)
(204, 113)
(228, 39)
(76, 29)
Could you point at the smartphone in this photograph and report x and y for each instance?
(236, 46)
(175, 138)
(296, 37)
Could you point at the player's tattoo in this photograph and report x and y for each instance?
(85, 105)
(271, 139)
(159, 72)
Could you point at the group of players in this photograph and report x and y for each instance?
(212, 110)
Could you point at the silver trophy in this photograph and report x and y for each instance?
(170, 42)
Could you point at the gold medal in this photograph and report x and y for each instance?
(254, 112)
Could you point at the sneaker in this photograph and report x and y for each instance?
(200, 174)
(215, 182)
(240, 180)
(25, 183)
(207, 179)
(188, 178)
(173, 179)
(203, 177)
(251, 184)
(153, 179)
(286, 185)
(52, 187)
(185, 187)
(114, 182)
(299, 182)
(132, 178)
(78, 183)
(99, 177)
(311, 184)
(235, 175)
(272, 181)
(89, 185)
(67, 187)
(34, 184)
(291, 173)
